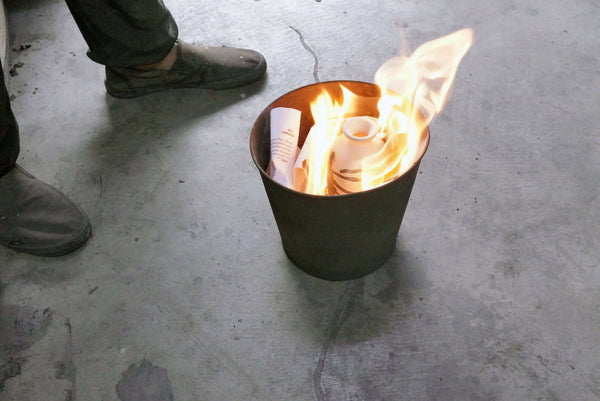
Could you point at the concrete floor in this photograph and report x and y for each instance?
(184, 292)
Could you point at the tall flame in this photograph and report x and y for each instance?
(426, 77)
(414, 89)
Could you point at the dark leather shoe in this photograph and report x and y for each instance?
(36, 218)
(195, 67)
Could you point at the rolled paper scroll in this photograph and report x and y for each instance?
(285, 125)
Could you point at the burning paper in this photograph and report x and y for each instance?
(414, 89)
(358, 142)
(301, 167)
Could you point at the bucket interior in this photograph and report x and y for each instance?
(300, 99)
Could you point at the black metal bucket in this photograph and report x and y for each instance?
(339, 237)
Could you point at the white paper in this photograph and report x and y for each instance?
(285, 126)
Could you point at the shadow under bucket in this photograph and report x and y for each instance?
(339, 237)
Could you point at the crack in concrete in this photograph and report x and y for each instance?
(342, 313)
(311, 51)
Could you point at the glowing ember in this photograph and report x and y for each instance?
(414, 89)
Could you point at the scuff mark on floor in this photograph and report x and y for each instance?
(65, 368)
(145, 382)
(20, 328)
(101, 182)
(11, 368)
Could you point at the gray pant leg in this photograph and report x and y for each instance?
(9, 130)
(125, 33)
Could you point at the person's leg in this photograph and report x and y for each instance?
(9, 130)
(34, 217)
(137, 42)
(125, 33)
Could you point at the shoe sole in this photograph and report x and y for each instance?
(61, 249)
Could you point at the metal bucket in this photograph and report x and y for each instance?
(339, 237)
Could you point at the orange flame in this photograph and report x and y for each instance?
(329, 117)
(414, 89)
